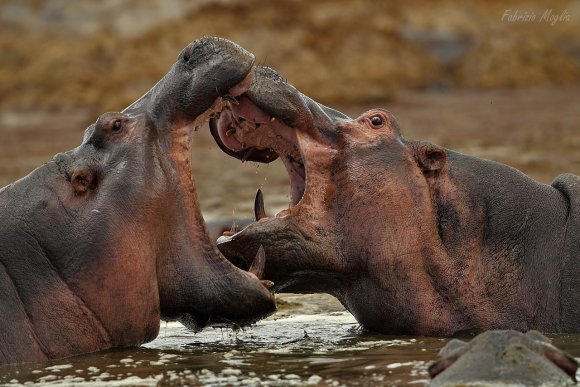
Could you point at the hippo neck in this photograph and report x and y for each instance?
(42, 316)
(504, 234)
(389, 256)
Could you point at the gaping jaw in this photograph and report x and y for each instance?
(197, 285)
(273, 120)
(247, 132)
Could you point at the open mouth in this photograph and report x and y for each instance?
(246, 132)
(180, 153)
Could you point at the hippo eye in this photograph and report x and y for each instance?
(377, 121)
(117, 124)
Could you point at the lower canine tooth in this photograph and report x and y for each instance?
(257, 267)
(230, 131)
(259, 210)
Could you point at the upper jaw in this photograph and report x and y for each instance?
(205, 71)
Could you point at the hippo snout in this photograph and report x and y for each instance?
(237, 300)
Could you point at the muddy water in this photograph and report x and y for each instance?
(311, 340)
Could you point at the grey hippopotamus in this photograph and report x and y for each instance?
(99, 243)
(503, 358)
(410, 237)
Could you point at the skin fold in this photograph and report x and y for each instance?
(102, 241)
(412, 238)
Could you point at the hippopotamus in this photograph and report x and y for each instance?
(502, 358)
(102, 241)
(410, 237)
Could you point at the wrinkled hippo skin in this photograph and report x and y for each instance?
(99, 243)
(410, 237)
(502, 358)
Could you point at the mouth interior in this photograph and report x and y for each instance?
(255, 135)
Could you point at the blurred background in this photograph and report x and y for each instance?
(494, 79)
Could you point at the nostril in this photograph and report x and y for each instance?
(186, 55)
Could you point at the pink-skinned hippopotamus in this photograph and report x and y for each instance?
(410, 237)
(104, 240)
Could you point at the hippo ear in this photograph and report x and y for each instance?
(561, 359)
(83, 179)
(447, 356)
(431, 158)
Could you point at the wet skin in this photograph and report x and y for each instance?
(410, 237)
(104, 240)
(503, 358)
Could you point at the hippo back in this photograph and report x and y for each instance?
(569, 185)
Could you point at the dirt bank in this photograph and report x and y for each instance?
(57, 55)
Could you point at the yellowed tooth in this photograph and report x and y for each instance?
(267, 284)
(228, 105)
(259, 211)
(230, 131)
(272, 119)
(231, 99)
(257, 267)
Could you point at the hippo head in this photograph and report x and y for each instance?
(343, 172)
(272, 119)
(140, 173)
(503, 358)
(113, 230)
